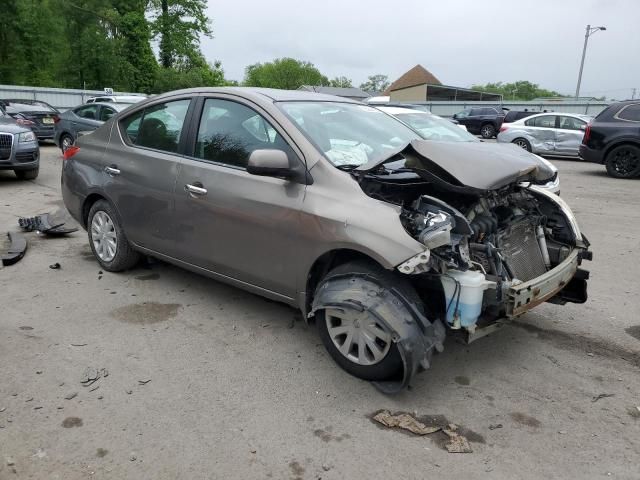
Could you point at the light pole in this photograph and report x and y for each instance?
(589, 31)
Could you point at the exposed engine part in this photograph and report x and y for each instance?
(519, 246)
(542, 241)
(416, 264)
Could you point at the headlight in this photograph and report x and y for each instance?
(27, 137)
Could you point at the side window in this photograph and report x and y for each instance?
(230, 131)
(106, 113)
(463, 114)
(546, 121)
(571, 123)
(88, 111)
(630, 113)
(158, 126)
(474, 112)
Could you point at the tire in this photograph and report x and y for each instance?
(107, 239)
(488, 130)
(365, 366)
(66, 141)
(623, 162)
(522, 143)
(30, 174)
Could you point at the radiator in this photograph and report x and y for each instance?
(521, 251)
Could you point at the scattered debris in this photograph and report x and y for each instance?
(457, 443)
(404, 421)
(634, 412)
(493, 427)
(94, 388)
(38, 372)
(29, 399)
(92, 375)
(71, 396)
(129, 392)
(17, 248)
(562, 432)
(44, 224)
(3, 409)
(132, 458)
(602, 395)
(143, 382)
(79, 344)
(10, 462)
(37, 408)
(55, 266)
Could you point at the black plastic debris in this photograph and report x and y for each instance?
(44, 224)
(17, 247)
(55, 266)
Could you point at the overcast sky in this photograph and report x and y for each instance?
(462, 42)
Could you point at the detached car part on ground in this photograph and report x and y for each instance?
(385, 240)
(19, 149)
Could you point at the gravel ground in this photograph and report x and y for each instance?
(207, 381)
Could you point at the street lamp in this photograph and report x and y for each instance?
(590, 31)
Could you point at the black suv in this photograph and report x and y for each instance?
(513, 115)
(485, 121)
(613, 139)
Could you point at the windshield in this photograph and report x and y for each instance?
(347, 133)
(431, 127)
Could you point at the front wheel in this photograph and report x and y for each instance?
(623, 162)
(107, 239)
(488, 131)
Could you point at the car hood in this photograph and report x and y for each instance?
(9, 125)
(478, 166)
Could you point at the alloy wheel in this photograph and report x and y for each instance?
(625, 162)
(66, 143)
(358, 336)
(103, 236)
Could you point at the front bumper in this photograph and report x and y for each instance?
(525, 296)
(23, 156)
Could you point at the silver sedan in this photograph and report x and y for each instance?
(555, 134)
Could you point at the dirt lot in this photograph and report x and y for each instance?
(207, 381)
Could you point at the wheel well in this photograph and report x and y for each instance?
(327, 262)
(88, 203)
(616, 145)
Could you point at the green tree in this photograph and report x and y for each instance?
(343, 82)
(286, 73)
(520, 90)
(375, 83)
(178, 25)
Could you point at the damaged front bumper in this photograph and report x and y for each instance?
(525, 296)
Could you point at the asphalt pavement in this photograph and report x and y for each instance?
(159, 373)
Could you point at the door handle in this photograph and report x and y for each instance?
(195, 190)
(112, 170)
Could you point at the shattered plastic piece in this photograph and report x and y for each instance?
(493, 427)
(44, 224)
(55, 266)
(17, 248)
(71, 396)
(404, 421)
(92, 375)
(457, 443)
(143, 382)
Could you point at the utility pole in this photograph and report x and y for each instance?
(633, 94)
(589, 31)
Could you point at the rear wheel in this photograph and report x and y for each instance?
(623, 162)
(66, 141)
(30, 174)
(522, 143)
(355, 337)
(107, 240)
(488, 131)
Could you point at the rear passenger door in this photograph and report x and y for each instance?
(569, 135)
(238, 225)
(140, 169)
(85, 120)
(542, 133)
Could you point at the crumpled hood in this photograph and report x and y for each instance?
(476, 165)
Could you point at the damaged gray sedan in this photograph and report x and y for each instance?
(386, 241)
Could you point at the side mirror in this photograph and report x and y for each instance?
(269, 163)
(455, 115)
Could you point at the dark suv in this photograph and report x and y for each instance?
(485, 121)
(613, 139)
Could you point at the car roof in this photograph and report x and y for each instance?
(581, 116)
(398, 110)
(273, 94)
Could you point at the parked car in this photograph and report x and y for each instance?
(37, 115)
(483, 121)
(555, 134)
(613, 139)
(513, 115)
(130, 99)
(19, 150)
(435, 128)
(84, 118)
(333, 207)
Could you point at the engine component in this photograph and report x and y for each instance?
(521, 251)
(463, 293)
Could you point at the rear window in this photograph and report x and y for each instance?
(630, 113)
